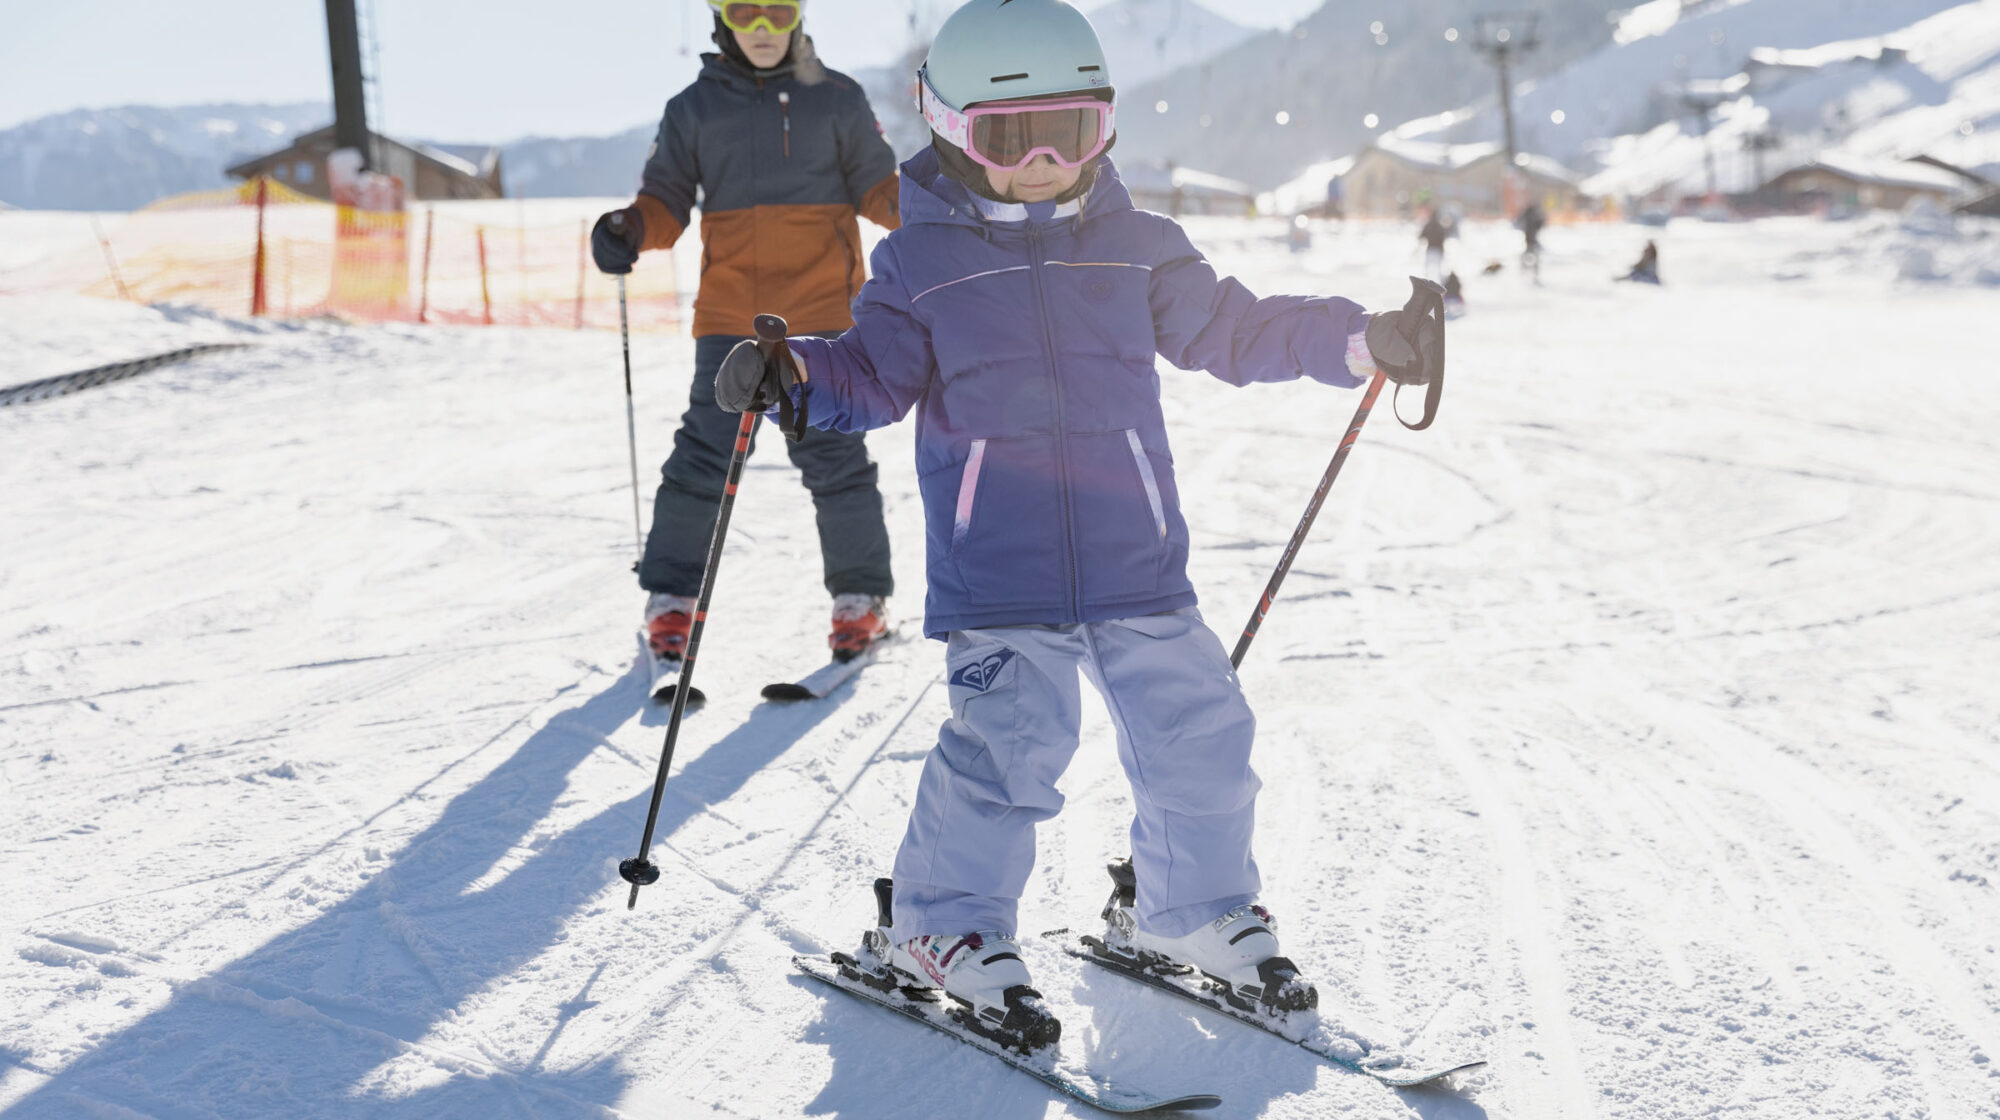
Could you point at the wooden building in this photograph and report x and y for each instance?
(428, 173)
(1396, 177)
(1845, 182)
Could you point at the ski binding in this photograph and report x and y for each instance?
(1302, 1028)
(925, 1006)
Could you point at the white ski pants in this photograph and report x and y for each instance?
(1184, 734)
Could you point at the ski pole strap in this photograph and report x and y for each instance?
(1432, 393)
(1426, 302)
(791, 417)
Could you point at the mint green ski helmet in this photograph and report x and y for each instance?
(1004, 50)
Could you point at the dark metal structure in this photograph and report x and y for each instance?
(1503, 37)
(350, 97)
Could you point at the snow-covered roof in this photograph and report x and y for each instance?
(431, 152)
(1827, 54)
(1890, 173)
(1433, 156)
(1152, 177)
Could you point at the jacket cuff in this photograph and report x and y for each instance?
(661, 228)
(1360, 359)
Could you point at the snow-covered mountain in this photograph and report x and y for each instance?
(1865, 79)
(118, 159)
(577, 167)
(1326, 76)
(1145, 39)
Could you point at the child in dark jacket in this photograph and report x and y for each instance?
(1018, 311)
(785, 153)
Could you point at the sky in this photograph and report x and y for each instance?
(470, 71)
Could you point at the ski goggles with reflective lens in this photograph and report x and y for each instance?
(1008, 135)
(777, 16)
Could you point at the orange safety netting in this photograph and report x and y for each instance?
(264, 248)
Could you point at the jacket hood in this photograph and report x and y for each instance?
(930, 196)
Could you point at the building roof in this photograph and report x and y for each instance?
(475, 162)
(1428, 155)
(1886, 173)
(1986, 205)
(1449, 158)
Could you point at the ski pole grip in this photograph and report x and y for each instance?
(780, 374)
(771, 331)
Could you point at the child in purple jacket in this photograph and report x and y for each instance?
(1018, 310)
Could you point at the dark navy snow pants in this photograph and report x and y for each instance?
(853, 542)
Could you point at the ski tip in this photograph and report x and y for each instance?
(788, 693)
(1199, 1102)
(665, 695)
(1423, 1079)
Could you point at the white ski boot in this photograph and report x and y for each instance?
(1237, 952)
(982, 972)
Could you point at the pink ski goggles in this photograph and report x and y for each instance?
(1008, 135)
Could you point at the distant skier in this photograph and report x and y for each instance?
(1531, 222)
(1018, 312)
(778, 234)
(1647, 271)
(1454, 296)
(1438, 228)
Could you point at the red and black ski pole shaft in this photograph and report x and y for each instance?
(1305, 523)
(1427, 298)
(640, 870)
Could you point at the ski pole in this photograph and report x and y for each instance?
(1426, 298)
(631, 421)
(641, 871)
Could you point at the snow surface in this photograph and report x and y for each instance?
(1634, 727)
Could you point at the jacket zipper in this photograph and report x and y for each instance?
(785, 109)
(1062, 426)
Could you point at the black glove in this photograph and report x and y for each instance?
(614, 243)
(1408, 346)
(747, 382)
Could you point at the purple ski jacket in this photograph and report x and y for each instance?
(1027, 350)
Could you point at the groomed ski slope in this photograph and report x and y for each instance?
(1635, 728)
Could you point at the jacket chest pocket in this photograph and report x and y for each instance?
(1121, 522)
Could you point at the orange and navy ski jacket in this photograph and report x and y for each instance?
(783, 165)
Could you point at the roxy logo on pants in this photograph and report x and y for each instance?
(983, 674)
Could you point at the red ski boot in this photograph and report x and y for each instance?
(859, 621)
(668, 618)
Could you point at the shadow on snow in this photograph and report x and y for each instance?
(327, 1020)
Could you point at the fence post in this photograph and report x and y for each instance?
(110, 259)
(259, 305)
(582, 267)
(424, 299)
(485, 291)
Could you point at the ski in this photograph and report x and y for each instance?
(842, 972)
(1347, 1053)
(820, 683)
(663, 673)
